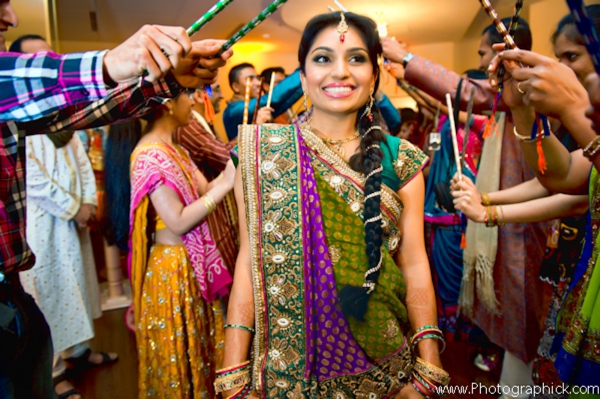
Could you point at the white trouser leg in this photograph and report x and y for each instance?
(515, 377)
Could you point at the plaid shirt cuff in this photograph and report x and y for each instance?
(86, 73)
(36, 85)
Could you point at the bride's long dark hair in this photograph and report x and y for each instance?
(354, 300)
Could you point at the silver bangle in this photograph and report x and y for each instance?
(526, 139)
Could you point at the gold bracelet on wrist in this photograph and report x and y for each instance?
(528, 139)
(432, 372)
(232, 381)
(501, 218)
(592, 148)
(485, 199)
(209, 202)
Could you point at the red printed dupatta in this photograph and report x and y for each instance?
(153, 165)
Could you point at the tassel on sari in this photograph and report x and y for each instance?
(540, 130)
(209, 110)
(491, 127)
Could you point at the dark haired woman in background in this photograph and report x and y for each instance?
(177, 273)
(332, 280)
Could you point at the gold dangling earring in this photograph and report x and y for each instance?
(306, 107)
(369, 107)
(170, 112)
(305, 101)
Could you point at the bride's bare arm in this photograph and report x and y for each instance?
(412, 261)
(241, 300)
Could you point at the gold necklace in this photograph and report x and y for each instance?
(336, 145)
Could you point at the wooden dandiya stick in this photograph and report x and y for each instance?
(588, 31)
(257, 105)
(454, 138)
(271, 85)
(251, 25)
(500, 27)
(210, 14)
(247, 99)
(468, 127)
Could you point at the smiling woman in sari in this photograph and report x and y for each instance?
(332, 282)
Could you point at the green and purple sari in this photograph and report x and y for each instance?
(304, 209)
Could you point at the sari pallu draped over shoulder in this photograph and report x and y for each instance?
(304, 346)
(154, 165)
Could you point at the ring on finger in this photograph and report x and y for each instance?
(519, 88)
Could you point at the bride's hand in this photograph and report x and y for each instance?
(467, 199)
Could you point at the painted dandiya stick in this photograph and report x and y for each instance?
(468, 127)
(210, 14)
(588, 31)
(271, 86)
(510, 42)
(247, 99)
(251, 25)
(454, 138)
(257, 105)
(514, 22)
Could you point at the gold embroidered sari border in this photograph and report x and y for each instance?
(390, 199)
(248, 148)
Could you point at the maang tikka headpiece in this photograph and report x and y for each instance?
(342, 27)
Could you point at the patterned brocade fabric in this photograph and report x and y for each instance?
(304, 214)
(179, 336)
(386, 319)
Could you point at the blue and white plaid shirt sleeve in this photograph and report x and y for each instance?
(36, 85)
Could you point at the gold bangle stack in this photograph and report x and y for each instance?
(592, 148)
(494, 216)
(232, 377)
(431, 372)
(485, 199)
(209, 202)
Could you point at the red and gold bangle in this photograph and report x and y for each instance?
(489, 220)
(229, 370)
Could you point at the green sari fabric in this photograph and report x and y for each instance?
(578, 323)
(386, 322)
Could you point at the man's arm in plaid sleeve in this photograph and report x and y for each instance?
(127, 101)
(36, 85)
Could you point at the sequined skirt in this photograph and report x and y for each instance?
(179, 336)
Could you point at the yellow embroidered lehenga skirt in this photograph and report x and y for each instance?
(179, 335)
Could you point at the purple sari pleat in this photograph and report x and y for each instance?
(329, 338)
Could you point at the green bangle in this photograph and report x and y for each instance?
(425, 327)
(430, 336)
(249, 329)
